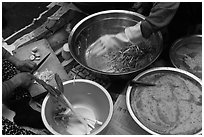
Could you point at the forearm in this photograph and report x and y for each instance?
(160, 16)
(14, 60)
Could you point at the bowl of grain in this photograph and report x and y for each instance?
(172, 107)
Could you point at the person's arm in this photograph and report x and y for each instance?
(160, 16)
(21, 79)
(7, 89)
(22, 65)
(8, 56)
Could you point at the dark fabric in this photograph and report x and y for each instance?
(19, 101)
(186, 21)
(143, 8)
(10, 128)
(26, 116)
(160, 16)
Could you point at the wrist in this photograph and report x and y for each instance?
(134, 33)
(15, 82)
(14, 60)
(146, 29)
(122, 37)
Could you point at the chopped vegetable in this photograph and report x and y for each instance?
(37, 58)
(35, 49)
(32, 57)
(37, 54)
(46, 75)
(33, 53)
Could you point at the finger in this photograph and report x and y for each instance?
(101, 52)
(92, 46)
(31, 77)
(96, 43)
(33, 63)
(25, 69)
(29, 83)
(116, 45)
(30, 64)
(98, 48)
(28, 61)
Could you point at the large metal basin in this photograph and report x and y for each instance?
(94, 26)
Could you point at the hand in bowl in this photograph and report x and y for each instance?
(104, 44)
(131, 35)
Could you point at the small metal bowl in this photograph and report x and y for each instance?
(147, 126)
(186, 54)
(89, 99)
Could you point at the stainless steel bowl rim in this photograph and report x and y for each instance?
(106, 12)
(175, 44)
(183, 38)
(128, 93)
(86, 81)
(101, 13)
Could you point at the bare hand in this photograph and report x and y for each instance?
(131, 35)
(25, 65)
(104, 44)
(22, 79)
(134, 33)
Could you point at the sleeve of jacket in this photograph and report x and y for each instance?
(7, 89)
(160, 16)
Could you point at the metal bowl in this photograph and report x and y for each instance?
(133, 95)
(186, 54)
(94, 26)
(88, 98)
